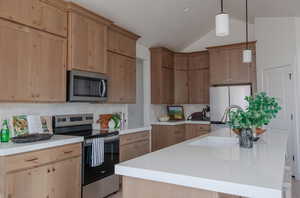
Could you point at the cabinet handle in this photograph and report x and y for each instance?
(68, 152)
(48, 170)
(32, 159)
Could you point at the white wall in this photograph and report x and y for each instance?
(277, 43)
(237, 35)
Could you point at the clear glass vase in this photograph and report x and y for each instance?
(246, 138)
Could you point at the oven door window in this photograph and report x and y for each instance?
(111, 157)
(89, 87)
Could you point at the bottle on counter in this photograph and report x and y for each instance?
(5, 133)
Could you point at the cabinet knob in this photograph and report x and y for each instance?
(48, 170)
(53, 169)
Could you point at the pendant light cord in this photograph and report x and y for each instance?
(222, 7)
(247, 34)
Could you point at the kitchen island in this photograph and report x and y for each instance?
(206, 166)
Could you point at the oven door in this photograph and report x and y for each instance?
(111, 157)
(86, 87)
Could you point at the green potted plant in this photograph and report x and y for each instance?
(260, 111)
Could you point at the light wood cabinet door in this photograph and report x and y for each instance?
(167, 59)
(181, 87)
(133, 150)
(181, 61)
(27, 12)
(195, 130)
(167, 86)
(127, 46)
(54, 19)
(178, 135)
(219, 67)
(199, 86)
(29, 183)
(122, 83)
(65, 179)
(50, 68)
(129, 80)
(113, 40)
(198, 60)
(17, 50)
(88, 44)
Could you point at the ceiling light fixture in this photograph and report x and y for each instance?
(247, 53)
(222, 22)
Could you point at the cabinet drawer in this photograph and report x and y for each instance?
(38, 158)
(134, 137)
(133, 150)
(65, 152)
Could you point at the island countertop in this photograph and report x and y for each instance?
(255, 173)
(57, 140)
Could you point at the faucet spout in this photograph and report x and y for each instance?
(227, 111)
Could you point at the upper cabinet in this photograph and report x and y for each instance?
(46, 15)
(87, 46)
(227, 67)
(181, 79)
(122, 84)
(162, 76)
(199, 78)
(121, 41)
(33, 65)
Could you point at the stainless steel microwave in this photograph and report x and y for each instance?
(87, 86)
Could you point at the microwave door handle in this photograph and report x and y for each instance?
(103, 88)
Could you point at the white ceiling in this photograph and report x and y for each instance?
(164, 22)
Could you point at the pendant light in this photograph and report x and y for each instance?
(247, 53)
(222, 23)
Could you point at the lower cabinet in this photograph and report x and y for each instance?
(134, 145)
(196, 130)
(46, 177)
(167, 135)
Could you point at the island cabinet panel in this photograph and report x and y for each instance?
(227, 67)
(134, 145)
(196, 130)
(121, 41)
(162, 76)
(47, 15)
(51, 174)
(122, 82)
(134, 188)
(165, 135)
(87, 43)
(33, 65)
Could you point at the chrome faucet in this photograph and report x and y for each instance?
(227, 111)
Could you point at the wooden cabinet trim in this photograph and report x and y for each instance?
(232, 45)
(123, 31)
(73, 7)
(59, 4)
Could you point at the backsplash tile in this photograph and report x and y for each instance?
(9, 109)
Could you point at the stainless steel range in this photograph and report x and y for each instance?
(99, 181)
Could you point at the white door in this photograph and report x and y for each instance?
(219, 101)
(278, 82)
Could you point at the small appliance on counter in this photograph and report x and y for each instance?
(100, 180)
(200, 116)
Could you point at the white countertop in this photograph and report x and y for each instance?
(171, 123)
(254, 173)
(57, 140)
(134, 130)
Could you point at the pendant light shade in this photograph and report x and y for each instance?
(247, 56)
(247, 53)
(222, 22)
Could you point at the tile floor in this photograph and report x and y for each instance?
(296, 191)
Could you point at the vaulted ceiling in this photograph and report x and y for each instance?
(178, 23)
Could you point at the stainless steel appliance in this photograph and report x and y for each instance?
(99, 181)
(86, 86)
(225, 96)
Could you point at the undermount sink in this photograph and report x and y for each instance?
(214, 141)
